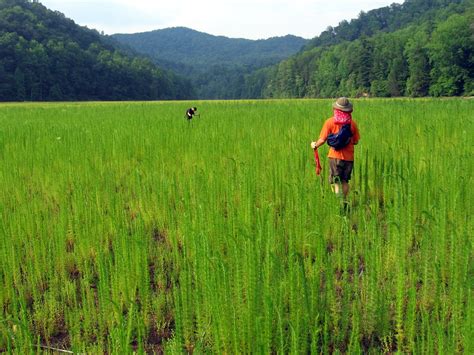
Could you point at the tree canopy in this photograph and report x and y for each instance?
(432, 55)
(217, 65)
(419, 48)
(46, 57)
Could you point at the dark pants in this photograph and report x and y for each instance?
(340, 170)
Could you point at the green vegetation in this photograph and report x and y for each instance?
(184, 46)
(47, 57)
(386, 19)
(216, 64)
(123, 227)
(420, 48)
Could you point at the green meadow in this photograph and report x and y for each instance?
(124, 228)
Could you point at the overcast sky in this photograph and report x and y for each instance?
(252, 19)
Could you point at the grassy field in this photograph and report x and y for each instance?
(125, 228)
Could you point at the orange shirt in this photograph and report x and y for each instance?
(346, 153)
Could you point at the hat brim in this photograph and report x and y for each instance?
(347, 108)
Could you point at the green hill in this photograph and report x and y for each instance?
(419, 48)
(201, 50)
(46, 56)
(385, 19)
(216, 64)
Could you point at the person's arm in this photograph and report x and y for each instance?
(318, 143)
(322, 137)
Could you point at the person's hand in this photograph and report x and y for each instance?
(313, 145)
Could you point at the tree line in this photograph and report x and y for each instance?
(46, 57)
(419, 48)
(430, 58)
(216, 64)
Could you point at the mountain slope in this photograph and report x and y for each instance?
(198, 49)
(45, 56)
(216, 65)
(430, 53)
(385, 19)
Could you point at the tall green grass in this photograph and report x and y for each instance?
(125, 228)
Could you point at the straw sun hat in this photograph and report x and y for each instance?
(343, 104)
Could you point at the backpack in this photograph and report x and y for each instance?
(340, 139)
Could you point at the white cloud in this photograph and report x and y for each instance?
(245, 18)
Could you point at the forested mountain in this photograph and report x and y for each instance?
(385, 19)
(419, 48)
(45, 56)
(217, 64)
(197, 49)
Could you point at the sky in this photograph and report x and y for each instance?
(251, 19)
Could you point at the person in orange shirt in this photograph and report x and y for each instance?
(341, 160)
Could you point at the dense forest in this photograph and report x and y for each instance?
(181, 45)
(216, 64)
(45, 56)
(419, 48)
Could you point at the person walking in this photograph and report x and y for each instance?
(341, 133)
